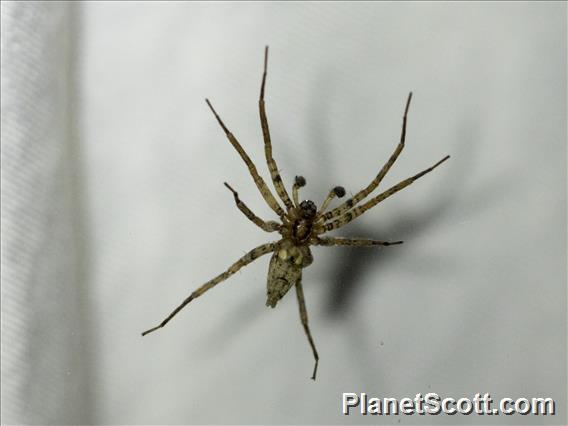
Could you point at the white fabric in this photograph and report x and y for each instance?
(44, 313)
(113, 208)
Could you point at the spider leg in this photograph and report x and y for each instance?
(304, 318)
(258, 180)
(299, 181)
(243, 261)
(375, 182)
(358, 211)
(274, 174)
(269, 226)
(360, 242)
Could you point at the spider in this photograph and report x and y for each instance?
(302, 224)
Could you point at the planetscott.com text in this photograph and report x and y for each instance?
(433, 404)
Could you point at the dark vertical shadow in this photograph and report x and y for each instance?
(86, 413)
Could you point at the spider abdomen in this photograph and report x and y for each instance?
(285, 270)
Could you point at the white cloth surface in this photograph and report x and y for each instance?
(113, 208)
(44, 311)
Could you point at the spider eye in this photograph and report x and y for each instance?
(309, 209)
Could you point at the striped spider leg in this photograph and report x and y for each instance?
(348, 211)
(243, 261)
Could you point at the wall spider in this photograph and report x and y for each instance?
(302, 223)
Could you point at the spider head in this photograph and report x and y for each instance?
(308, 209)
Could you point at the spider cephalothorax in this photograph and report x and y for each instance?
(298, 223)
(301, 223)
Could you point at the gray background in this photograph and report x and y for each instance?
(114, 210)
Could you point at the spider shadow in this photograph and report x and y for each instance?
(352, 265)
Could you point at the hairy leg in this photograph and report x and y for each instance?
(358, 211)
(274, 174)
(243, 261)
(268, 226)
(348, 204)
(258, 180)
(304, 319)
(360, 242)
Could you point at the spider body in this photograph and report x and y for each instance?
(298, 225)
(301, 225)
(285, 270)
